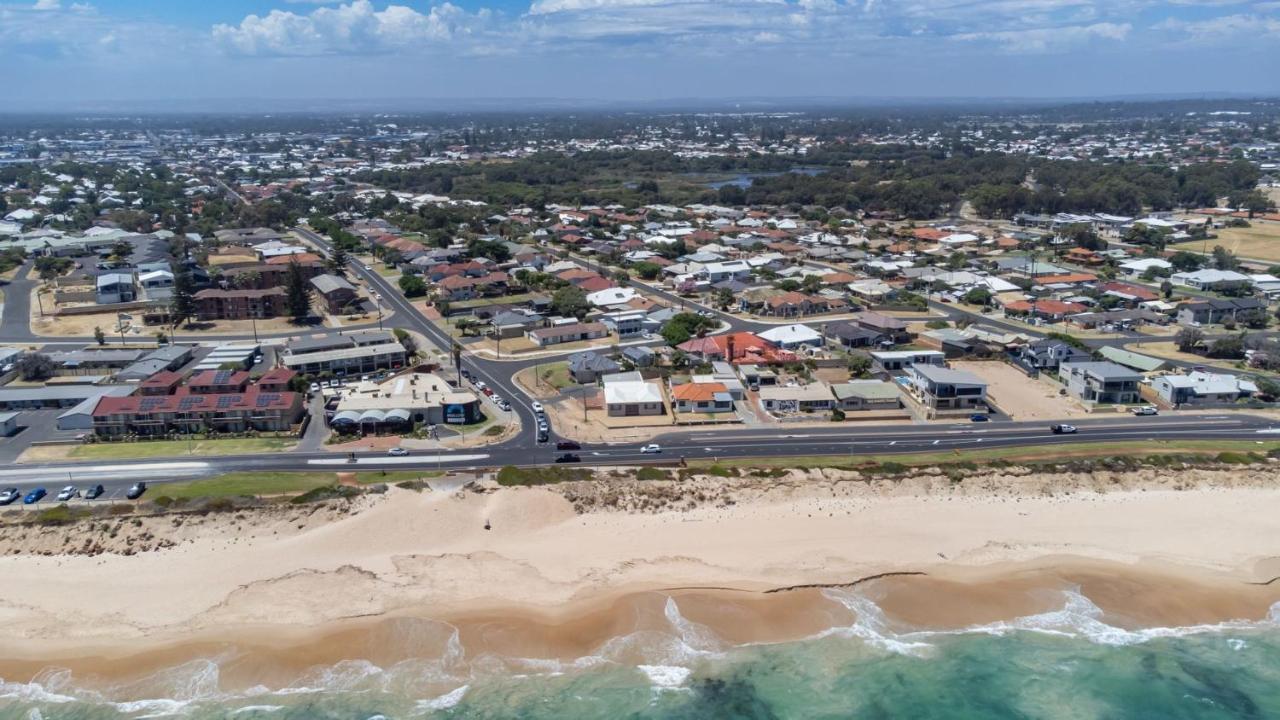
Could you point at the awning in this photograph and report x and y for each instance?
(398, 415)
(347, 417)
(372, 416)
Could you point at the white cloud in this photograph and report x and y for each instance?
(1049, 39)
(352, 28)
(1241, 27)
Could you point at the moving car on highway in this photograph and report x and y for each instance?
(1145, 410)
(1063, 429)
(979, 417)
(568, 458)
(397, 452)
(651, 448)
(568, 445)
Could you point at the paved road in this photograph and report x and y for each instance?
(775, 442)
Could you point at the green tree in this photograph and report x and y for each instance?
(570, 301)
(182, 303)
(414, 286)
(978, 296)
(724, 297)
(297, 293)
(337, 262)
(859, 366)
(684, 326)
(1188, 339)
(647, 270)
(99, 336)
(35, 367)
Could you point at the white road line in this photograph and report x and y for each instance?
(141, 471)
(408, 460)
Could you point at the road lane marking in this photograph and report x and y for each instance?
(407, 460)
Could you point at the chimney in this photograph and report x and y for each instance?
(729, 341)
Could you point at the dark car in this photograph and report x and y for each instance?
(94, 492)
(10, 496)
(979, 417)
(34, 496)
(568, 445)
(136, 491)
(568, 458)
(542, 436)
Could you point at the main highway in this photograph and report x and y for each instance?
(847, 439)
(850, 439)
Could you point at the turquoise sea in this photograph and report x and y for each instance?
(1068, 663)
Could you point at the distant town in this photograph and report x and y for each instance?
(511, 289)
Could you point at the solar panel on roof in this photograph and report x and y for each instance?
(226, 401)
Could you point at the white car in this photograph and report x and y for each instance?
(651, 448)
(69, 492)
(367, 267)
(1146, 410)
(537, 406)
(315, 387)
(397, 452)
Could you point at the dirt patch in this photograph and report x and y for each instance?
(1021, 397)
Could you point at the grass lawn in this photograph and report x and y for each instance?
(486, 302)
(276, 483)
(1261, 241)
(556, 375)
(171, 448)
(1016, 454)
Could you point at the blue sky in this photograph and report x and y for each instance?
(59, 51)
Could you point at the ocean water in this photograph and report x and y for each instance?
(1066, 664)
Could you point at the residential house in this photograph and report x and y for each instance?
(625, 323)
(114, 288)
(942, 388)
(572, 332)
(891, 328)
(1202, 388)
(702, 397)
(629, 395)
(859, 395)
(1208, 312)
(895, 360)
(1048, 354)
(814, 397)
(1100, 382)
(736, 348)
(639, 356)
(339, 296)
(187, 412)
(589, 366)
(1209, 279)
(790, 337)
(514, 323)
(848, 334)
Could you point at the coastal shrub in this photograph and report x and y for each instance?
(60, 515)
(511, 476)
(888, 468)
(493, 431)
(327, 492)
(163, 501)
(651, 473)
(1235, 458)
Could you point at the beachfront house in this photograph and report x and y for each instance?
(1100, 382)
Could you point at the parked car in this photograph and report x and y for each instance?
(69, 492)
(34, 496)
(542, 435)
(568, 445)
(568, 458)
(315, 387)
(979, 417)
(94, 492)
(651, 448)
(1063, 429)
(397, 452)
(136, 490)
(537, 406)
(10, 496)
(1145, 410)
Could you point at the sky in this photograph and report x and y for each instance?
(61, 52)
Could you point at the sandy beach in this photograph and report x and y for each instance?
(561, 569)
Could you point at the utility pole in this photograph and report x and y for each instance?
(254, 319)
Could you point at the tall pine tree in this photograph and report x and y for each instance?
(338, 261)
(182, 304)
(297, 293)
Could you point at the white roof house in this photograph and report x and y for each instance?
(1141, 265)
(789, 336)
(611, 296)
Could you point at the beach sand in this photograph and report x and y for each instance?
(560, 572)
